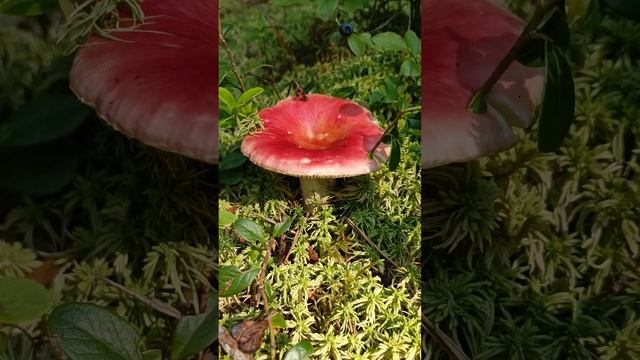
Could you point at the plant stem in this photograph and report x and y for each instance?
(156, 305)
(542, 9)
(392, 125)
(364, 236)
(281, 39)
(293, 244)
(265, 300)
(449, 345)
(234, 67)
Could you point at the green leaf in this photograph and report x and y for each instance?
(27, 7)
(232, 281)
(249, 95)
(555, 26)
(233, 160)
(351, 6)
(89, 332)
(394, 157)
(389, 41)
(22, 300)
(583, 15)
(300, 351)
(402, 123)
(226, 218)
(326, 8)
(194, 333)
(4, 342)
(280, 228)
(67, 7)
(344, 92)
(278, 321)
(632, 235)
(39, 170)
(227, 98)
(626, 8)
(42, 119)
(413, 42)
(478, 103)
(268, 291)
(231, 176)
(558, 100)
(335, 38)
(226, 121)
(415, 122)
(390, 90)
(249, 231)
(154, 354)
(358, 44)
(410, 68)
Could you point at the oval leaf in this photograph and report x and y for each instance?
(22, 300)
(558, 100)
(413, 42)
(389, 41)
(300, 351)
(410, 68)
(358, 44)
(248, 230)
(233, 281)
(225, 218)
(232, 161)
(278, 321)
(280, 228)
(89, 332)
(249, 94)
(39, 170)
(41, 120)
(351, 6)
(326, 8)
(194, 333)
(155, 354)
(227, 98)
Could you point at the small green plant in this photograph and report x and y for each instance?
(96, 230)
(531, 255)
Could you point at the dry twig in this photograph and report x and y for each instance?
(263, 293)
(156, 305)
(364, 236)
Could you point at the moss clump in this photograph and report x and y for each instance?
(335, 289)
(535, 256)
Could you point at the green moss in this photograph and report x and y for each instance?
(534, 256)
(336, 290)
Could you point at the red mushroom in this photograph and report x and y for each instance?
(157, 82)
(317, 138)
(463, 42)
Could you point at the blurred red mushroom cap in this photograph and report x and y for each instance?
(158, 81)
(324, 137)
(463, 42)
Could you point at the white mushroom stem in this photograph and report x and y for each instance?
(312, 186)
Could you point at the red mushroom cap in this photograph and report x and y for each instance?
(463, 42)
(158, 82)
(323, 137)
